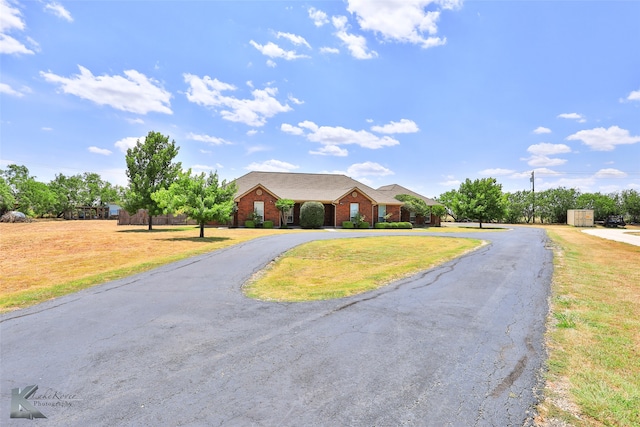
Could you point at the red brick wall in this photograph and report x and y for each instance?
(343, 208)
(245, 207)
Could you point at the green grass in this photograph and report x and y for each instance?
(594, 332)
(339, 268)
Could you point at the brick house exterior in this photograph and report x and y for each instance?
(341, 196)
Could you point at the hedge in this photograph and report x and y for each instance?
(250, 224)
(393, 225)
(267, 224)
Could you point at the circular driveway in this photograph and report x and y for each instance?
(619, 235)
(460, 344)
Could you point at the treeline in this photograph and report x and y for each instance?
(158, 184)
(22, 192)
(483, 200)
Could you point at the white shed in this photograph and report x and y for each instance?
(580, 217)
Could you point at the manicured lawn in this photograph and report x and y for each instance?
(343, 267)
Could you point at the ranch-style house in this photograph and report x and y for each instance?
(343, 197)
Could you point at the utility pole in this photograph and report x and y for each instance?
(533, 193)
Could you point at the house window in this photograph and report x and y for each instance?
(289, 216)
(258, 207)
(412, 217)
(382, 212)
(354, 208)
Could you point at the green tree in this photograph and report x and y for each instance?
(31, 197)
(552, 204)
(630, 200)
(201, 197)
(284, 206)
(312, 215)
(7, 200)
(602, 205)
(150, 168)
(481, 200)
(518, 207)
(67, 191)
(415, 204)
(438, 210)
(451, 201)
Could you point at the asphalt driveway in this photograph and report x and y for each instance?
(458, 345)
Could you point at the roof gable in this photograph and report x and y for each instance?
(300, 187)
(394, 189)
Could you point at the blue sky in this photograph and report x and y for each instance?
(415, 92)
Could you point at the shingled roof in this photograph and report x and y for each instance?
(394, 189)
(300, 187)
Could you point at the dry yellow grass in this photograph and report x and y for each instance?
(594, 333)
(41, 257)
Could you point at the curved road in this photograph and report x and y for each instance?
(458, 345)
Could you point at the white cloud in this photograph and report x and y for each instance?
(403, 126)
(319, 17)
(272, 50)
(101, 151)
(136, 121)
(338, 135)
(634, 96)
(572, 116)
(295, 100)
(271, 63)
(331, 150)
(368, 169)
(405, 21)
(546, 149)
(601, 139)
(450, 182)
(47, 129)
(293, 38)
(129, 142)
(272, 166)
(610, 173)
(58, 10)
(206, 138)
(541, 129)
(292, 130)
(202, 168)
(331, 50)
(496, 172)
(11, 46)
(10, 17)
(257, 149)
(251, 132)
(8, 90)
(252, 112)
(357, 45)
(541, 161)
(134, 93)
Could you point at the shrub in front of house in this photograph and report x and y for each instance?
(363, 224)
(312, 215)
(347, 224)
(250, 224)
(267, 224)
(393, 225)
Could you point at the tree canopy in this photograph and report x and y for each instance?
(150, 168)
(201, 197)
(480, 200)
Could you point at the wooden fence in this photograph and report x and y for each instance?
(142, 218)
